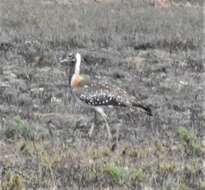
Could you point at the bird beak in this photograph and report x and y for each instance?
(66, 61)
(63, 61)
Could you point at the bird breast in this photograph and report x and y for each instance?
(75, 81)
(80, 81)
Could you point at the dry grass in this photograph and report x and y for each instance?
(155, 51)
(101, 25)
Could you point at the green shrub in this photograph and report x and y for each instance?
(20, 128)
(117, 173)
(189, 141)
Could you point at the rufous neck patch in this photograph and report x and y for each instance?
(75, 82)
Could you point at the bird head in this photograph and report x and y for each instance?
(69, 60)
(71, 64)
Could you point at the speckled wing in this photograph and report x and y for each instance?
(103, 95)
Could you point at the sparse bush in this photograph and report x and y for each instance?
(189, 140)
(137, 175)
(168, 167)
(191, 172)
(100, 153)
(139, 153)
(91, 176)
(185, 135)
(10, 181)
(183, 187)
(117, 173)
(19, 129)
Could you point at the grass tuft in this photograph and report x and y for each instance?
(189, 140)
(117, 173)
(137, 175)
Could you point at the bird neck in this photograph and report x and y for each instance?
(75, 72)
(77, 64)
(70, 75)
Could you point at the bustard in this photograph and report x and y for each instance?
(97, 95)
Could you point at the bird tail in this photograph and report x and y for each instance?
(144, 107)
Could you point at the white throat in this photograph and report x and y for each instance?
(77, 64)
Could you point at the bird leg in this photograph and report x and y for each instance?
(95, 117)
(91, 130)
(93, 125)
(104, 116)
(108, 127)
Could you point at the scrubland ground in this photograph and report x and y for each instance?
(155, 53)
